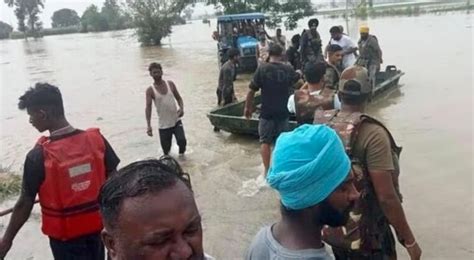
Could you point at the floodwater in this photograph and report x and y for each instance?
(103, 77)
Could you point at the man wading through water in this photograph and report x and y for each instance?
(165, 95)
(275, 79)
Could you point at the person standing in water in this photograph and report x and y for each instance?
(165, 95)
(275, 79)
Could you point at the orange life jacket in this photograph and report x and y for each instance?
(74, 172)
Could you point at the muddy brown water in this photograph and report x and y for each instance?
(103, 77)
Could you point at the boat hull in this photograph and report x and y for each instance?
(230, 118)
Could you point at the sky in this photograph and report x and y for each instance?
(7, 14)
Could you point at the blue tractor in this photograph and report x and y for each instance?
(239, 31)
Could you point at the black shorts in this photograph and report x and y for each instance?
(88, 247)
(270, 129)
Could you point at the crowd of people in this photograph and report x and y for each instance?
(336, 174)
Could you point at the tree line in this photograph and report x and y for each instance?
(153, 19)
(111, 16)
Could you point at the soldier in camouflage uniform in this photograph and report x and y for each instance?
(374, 156)
(311, 43)
(370, 53)
(331, 78)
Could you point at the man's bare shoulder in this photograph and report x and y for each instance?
(171, 84)
(149, 90)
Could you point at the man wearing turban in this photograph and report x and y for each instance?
(311, 43)
(370, 53)
(312, 174)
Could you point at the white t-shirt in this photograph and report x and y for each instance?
(346, 43)
(292, 107)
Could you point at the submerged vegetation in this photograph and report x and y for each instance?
(10, 184)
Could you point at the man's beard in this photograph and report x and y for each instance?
(332, 217)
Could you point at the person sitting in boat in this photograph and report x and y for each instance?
(370, 53)
(314, 95)
(149, 212)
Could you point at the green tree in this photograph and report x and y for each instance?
(286, 12)
(113, 15)
(93, 21)
(5, 30)
(65, 17)
(153, 18)
(188, 13)
(27, 10)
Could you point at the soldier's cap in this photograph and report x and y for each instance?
(358, 75)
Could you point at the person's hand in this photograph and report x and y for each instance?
(247, 113)
(5, 246)
(149, 131)
(180, 112)
(414, 252)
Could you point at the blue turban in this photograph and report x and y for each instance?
(308, 164)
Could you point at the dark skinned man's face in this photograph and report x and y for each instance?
(38, 119)
(336, 57)
(156, 73)
(334, 211)
(164, 225)
(336, 36)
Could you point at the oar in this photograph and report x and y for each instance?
(10, 210)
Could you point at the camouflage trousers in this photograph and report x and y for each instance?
(372, 70)
(387, 252)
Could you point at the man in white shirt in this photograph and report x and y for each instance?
(279, 39)
(348, 46)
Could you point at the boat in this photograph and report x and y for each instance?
(230, 118)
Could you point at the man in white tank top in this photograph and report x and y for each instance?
(262, 48)
(169, 107)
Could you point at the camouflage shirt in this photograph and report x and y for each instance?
(331, 77)
(369, 50)
(311, 47)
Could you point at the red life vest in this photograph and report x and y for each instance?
(74, 173)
